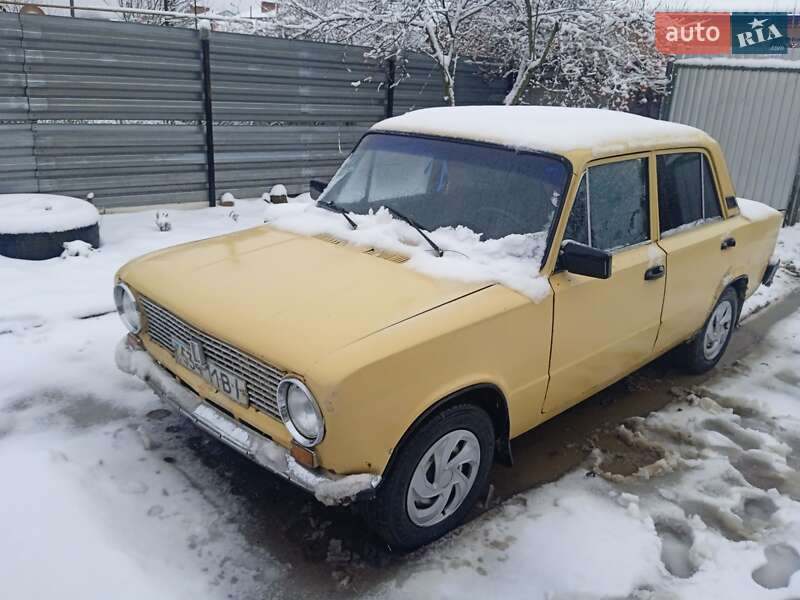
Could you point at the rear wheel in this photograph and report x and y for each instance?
(703, 352)
(437, 477)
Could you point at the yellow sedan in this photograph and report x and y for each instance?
(466, 275)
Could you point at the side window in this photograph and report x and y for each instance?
(686, 192)
(611, 208)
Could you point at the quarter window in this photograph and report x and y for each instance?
(611, 208)
(686, 191)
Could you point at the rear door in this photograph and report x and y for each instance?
(605, 328)
(699, 243)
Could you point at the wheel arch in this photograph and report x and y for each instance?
(740, 286)
(486, 396)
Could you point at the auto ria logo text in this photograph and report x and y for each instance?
(723, 33)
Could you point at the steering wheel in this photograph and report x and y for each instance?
(512, 221)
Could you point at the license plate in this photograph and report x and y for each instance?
(221, 379)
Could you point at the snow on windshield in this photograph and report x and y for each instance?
(491, 190)
(512, 261)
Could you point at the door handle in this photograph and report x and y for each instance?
(727, 243)
(654, 273)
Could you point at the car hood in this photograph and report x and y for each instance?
(285, 298)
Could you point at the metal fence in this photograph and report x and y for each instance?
(752, 111)
(125, 111)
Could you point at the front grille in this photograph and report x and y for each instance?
(261, 379)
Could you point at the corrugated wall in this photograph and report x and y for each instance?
(116, 109)
(292, 111)
(754, 114)
(17, 163)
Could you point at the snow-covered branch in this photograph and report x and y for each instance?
(438, 28)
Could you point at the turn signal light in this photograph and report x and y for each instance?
(305, 456)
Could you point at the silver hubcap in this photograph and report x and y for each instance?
(717, 330)
(443, 478)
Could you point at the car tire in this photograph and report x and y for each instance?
(705, 350)
(406, 520)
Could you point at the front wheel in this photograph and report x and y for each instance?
(703, 352)
(436, 479)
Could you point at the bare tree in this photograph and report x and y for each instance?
(436, 27)
(533, 53)
(573, 52)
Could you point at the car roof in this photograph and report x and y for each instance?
(582, 133)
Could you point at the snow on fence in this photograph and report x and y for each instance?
(118, 109)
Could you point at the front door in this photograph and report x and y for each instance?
(605, 328)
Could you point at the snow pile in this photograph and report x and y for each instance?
(546, 128)
(278, 190)
(755, 211)
(162, 220)
(277, 194)
(43, 213)
(569, 540)
(77, 248)
(512, 261)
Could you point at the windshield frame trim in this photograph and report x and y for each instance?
(559, 157)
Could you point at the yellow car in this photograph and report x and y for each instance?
(468, 274)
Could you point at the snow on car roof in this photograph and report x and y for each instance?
(547, 128)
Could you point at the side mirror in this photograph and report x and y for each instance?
(584, 260)
(317, 187)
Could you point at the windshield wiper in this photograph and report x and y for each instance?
(420, 229)
(333, 207)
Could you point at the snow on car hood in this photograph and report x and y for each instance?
(512, 261)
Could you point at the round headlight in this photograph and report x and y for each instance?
(127, 308)
(300, 412)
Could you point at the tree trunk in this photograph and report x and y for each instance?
(523, 79)
(449, 84)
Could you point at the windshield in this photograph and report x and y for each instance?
(491, 190)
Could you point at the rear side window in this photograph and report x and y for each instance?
(612, 207)
(686, 191)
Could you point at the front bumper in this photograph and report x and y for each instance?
(327, 487)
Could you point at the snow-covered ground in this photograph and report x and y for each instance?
(103, 494)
